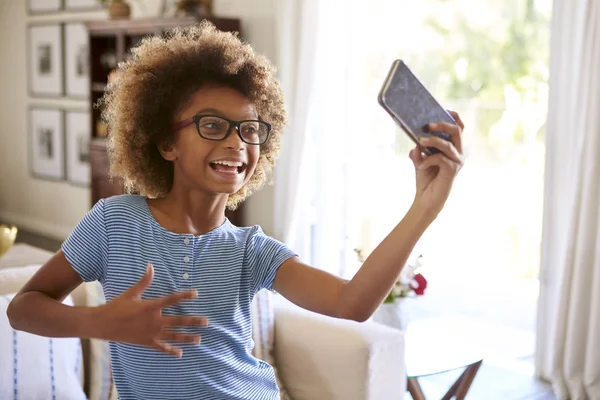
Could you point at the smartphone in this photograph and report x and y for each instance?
(411, 105)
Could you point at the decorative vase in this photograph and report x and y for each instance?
(119, 10)
(8, 234)
(393, 315)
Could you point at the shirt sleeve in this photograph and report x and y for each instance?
(86, 248)
(265, 256)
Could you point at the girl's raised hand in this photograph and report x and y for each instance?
(435, 173)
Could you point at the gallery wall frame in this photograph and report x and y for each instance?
(45, 59)
(46, 142)
(41, 7)
(76, 45)
(77, 147)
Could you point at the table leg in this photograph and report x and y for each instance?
(414, 388)
(467, 380)
(463, 383)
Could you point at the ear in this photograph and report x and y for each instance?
(167, 150)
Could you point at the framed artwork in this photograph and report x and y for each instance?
(46, 143)
(80, 5)
(77, 58)
(43, 6)
(77, 127)
(45, 60)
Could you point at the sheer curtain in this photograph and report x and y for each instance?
(309, 199)
(568, 345)
(296, 22)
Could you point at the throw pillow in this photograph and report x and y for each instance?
(37, 367)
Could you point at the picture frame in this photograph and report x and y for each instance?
(77, 152)
(45, 60)
(82, 5)
(37, 7)
(76, 60)
(46, 143)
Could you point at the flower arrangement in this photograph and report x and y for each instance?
(409, 283)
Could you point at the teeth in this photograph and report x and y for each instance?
(229, 163)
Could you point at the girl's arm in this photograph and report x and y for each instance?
(358, 298)
(38, 309)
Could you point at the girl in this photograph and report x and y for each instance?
(195, 123)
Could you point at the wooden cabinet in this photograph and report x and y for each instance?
(110, 42)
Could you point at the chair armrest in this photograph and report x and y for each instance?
(318, 357)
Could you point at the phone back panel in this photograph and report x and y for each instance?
(410, 103)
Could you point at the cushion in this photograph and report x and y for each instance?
(23, 254)
(263, 332)
(37, 367)
(96, 354)
(102, 386)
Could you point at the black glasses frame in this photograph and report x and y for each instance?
(196, 121)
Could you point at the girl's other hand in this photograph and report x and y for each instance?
(130, 319)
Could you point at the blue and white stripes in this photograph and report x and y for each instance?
(113, 244)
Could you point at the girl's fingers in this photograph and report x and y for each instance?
(452, 130)
(446, 147)
(457, 119)
(179, 337)
(180, 320)
(416, 156)
(438, 160)
(167, 348)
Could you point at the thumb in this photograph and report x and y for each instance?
(415, 156)
(140, 286)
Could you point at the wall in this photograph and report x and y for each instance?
(52, 208)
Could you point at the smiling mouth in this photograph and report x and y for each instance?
(228, 167)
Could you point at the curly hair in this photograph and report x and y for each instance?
(150, 88)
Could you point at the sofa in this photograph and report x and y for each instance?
(316, 357)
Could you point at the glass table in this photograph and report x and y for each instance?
(438, 345)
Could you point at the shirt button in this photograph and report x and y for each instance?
(186, 276)
(186, 241)
(186, 259)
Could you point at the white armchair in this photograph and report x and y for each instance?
(325, 358)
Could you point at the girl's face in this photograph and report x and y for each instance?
(211, 166)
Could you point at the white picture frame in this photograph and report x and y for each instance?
(46, 143)
(43, 6)
(77, 138)
(77, 59)
(45, 60)
(81, 5)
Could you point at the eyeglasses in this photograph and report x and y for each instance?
(213, 127)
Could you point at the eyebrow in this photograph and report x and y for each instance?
(222, 114)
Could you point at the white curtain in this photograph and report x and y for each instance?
(568, 345)
(309, 179)
(296, 22)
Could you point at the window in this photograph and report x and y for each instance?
(489, 61)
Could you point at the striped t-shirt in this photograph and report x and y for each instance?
(113, 244)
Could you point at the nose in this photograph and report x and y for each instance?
(233, 140)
